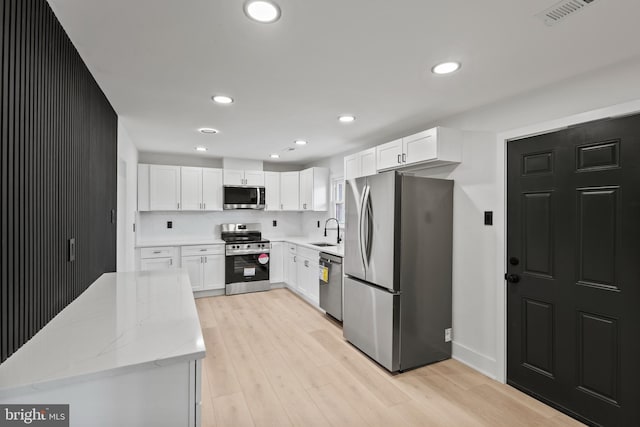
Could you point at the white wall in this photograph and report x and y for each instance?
(206, 161)
(479, 250)
(152, 226)
(127, 200)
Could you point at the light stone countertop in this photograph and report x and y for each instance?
(123, 322)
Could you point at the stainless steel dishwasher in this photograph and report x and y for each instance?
(331, 284)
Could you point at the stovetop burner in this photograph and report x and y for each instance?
(241, 233)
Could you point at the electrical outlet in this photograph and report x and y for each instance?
(169, 224)
(318, 224)
(447, 335)
(488, 218)
(275, 223)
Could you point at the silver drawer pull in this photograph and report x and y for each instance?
(203, 250)
(157, 252)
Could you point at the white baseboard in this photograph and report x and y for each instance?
(481, 363)
(208, 293)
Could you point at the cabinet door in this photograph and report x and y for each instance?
(272, 191)
(292, 271)
(211, 189)
(306, 189)
(301, 274)
(156, 264)
(254, 178)
(313, 280)
(352, 166)
(389, 155)
(193, 265)
(233, 177)
(368, 162)
(290, 191)
(276, 263)
(164, 188)
(420, 147)
(143, 187)
(191, 188)
(213, 272)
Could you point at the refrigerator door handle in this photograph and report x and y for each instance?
(360, 224)
(366, 235)
(369, 239)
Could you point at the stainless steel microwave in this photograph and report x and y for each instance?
(243, 197)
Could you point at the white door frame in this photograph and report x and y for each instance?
(617, 110)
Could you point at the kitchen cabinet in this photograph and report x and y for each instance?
(314, 189)
(241, 177)
(290, 191)
(158, 258)
(276, 263)
(272, 191)
(389, 155)
(205, 266)
(164, 188)
(307, 273)
(201, 189)
(290, 267)
(360, 164)
(433, 147)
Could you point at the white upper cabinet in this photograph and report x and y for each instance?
(389, 155)
(272, 191)
(201, 189)
(241, 177)
(290, 191)
(254, 178)
(360, 164)
(211, 189)
(164, 188)
(314, 189)
(191, 189)
(433, 147)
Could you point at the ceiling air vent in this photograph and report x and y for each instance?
(561, 10)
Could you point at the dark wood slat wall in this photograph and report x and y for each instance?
(58, 171)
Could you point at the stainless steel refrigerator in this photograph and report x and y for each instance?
(398, 260)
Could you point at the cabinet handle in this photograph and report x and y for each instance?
(281, 206)
(170, 261)
(306, 263)
(178, 205)
(399, 159)
(203, 250)
(157, 252)
(204, 206)
(295, 259)
(404, 157)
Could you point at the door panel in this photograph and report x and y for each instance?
(272, 191)
(290, 191)
(368, 321)
(213, 272)
(164, 188)
(191, 188)
(574, 241)
(212, 189)
(381, 216)
(389, 155)
(193, 265)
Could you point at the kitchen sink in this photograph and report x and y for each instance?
(323, 244)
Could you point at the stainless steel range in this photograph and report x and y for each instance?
(247, 258)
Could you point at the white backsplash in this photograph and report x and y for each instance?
(310, 226)
(152, 226)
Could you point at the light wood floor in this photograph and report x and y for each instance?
(273, 360)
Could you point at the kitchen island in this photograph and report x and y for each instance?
(127, 351)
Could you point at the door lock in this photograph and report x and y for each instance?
(512, 278)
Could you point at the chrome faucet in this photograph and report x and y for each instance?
(325, 228)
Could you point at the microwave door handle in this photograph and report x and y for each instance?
(257, 197)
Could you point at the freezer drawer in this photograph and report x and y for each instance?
(371, 322)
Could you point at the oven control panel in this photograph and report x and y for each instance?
(247, 248)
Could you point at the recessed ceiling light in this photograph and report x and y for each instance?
(222, 99)
(208, 130)
(275, 156)
(300, 142)
(201, 148)
(262, 11)
(445, 68)
(346, 118)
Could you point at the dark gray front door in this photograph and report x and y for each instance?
(573, 269)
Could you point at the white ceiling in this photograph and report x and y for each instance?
(159, 62)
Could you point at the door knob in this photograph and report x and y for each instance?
(512, 278)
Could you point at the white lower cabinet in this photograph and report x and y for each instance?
(276, 263)
(205, 266)
(307, 271)
(158, 258)
(290, 267)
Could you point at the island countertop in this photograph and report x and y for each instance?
(122, 322)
